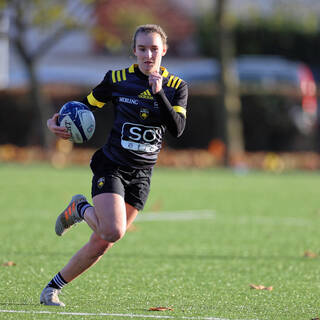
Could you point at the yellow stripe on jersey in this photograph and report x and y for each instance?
(131, 69)
(94, 102)
(165, 72)
(178, 84)
(170, 80)
(118, 76)
(124, 74)
(180, 110)
(174, 82)
(148, 92)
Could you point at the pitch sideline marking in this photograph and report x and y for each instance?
(111, 315)
(207, 214)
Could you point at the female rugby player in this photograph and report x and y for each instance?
(147, 100)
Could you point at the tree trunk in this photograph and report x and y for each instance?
(230, 98)
(39, 133)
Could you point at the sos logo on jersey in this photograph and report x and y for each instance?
(137, 137)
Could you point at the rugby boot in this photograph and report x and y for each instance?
(69, 215)
(49, 297)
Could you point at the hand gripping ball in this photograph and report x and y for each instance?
(79, 121)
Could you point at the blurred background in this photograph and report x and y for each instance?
(253, 68)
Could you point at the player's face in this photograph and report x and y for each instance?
(149, 51)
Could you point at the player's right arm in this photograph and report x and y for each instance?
(95, 100)
(60, 132)
(101, 94)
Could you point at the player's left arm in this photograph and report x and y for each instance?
(173, 114)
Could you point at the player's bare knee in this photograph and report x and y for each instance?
(113, 235)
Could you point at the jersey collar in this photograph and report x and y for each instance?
(164, 72)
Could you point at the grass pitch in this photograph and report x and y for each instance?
(212, 233)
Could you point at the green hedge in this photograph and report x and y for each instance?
(293, 39)
(266, 118)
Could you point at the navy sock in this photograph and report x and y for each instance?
(57, 282)
(81, 207)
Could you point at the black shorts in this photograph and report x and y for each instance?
(132, 184)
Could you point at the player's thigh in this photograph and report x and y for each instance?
(110, 210)
(132, 213)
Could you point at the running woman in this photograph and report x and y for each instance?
(147, 100)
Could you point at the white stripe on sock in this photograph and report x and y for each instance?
(57, 279)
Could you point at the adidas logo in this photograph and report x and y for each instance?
(145, 95)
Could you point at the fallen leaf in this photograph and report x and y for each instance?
(157, 205)
(9, 264)
(132, 228)
(260, 287)
(268, 288)
(309, 254)
(315, 319)
(160, 309)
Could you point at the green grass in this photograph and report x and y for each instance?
(262, 225)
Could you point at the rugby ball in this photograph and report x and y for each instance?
(79, 121)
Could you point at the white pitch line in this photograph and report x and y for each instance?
(124, 315)
(177, 215)
(189, 215)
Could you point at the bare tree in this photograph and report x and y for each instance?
(229, 82)
(53, 19)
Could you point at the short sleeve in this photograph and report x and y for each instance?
(101, 94)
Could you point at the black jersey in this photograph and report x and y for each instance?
(140, 117)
